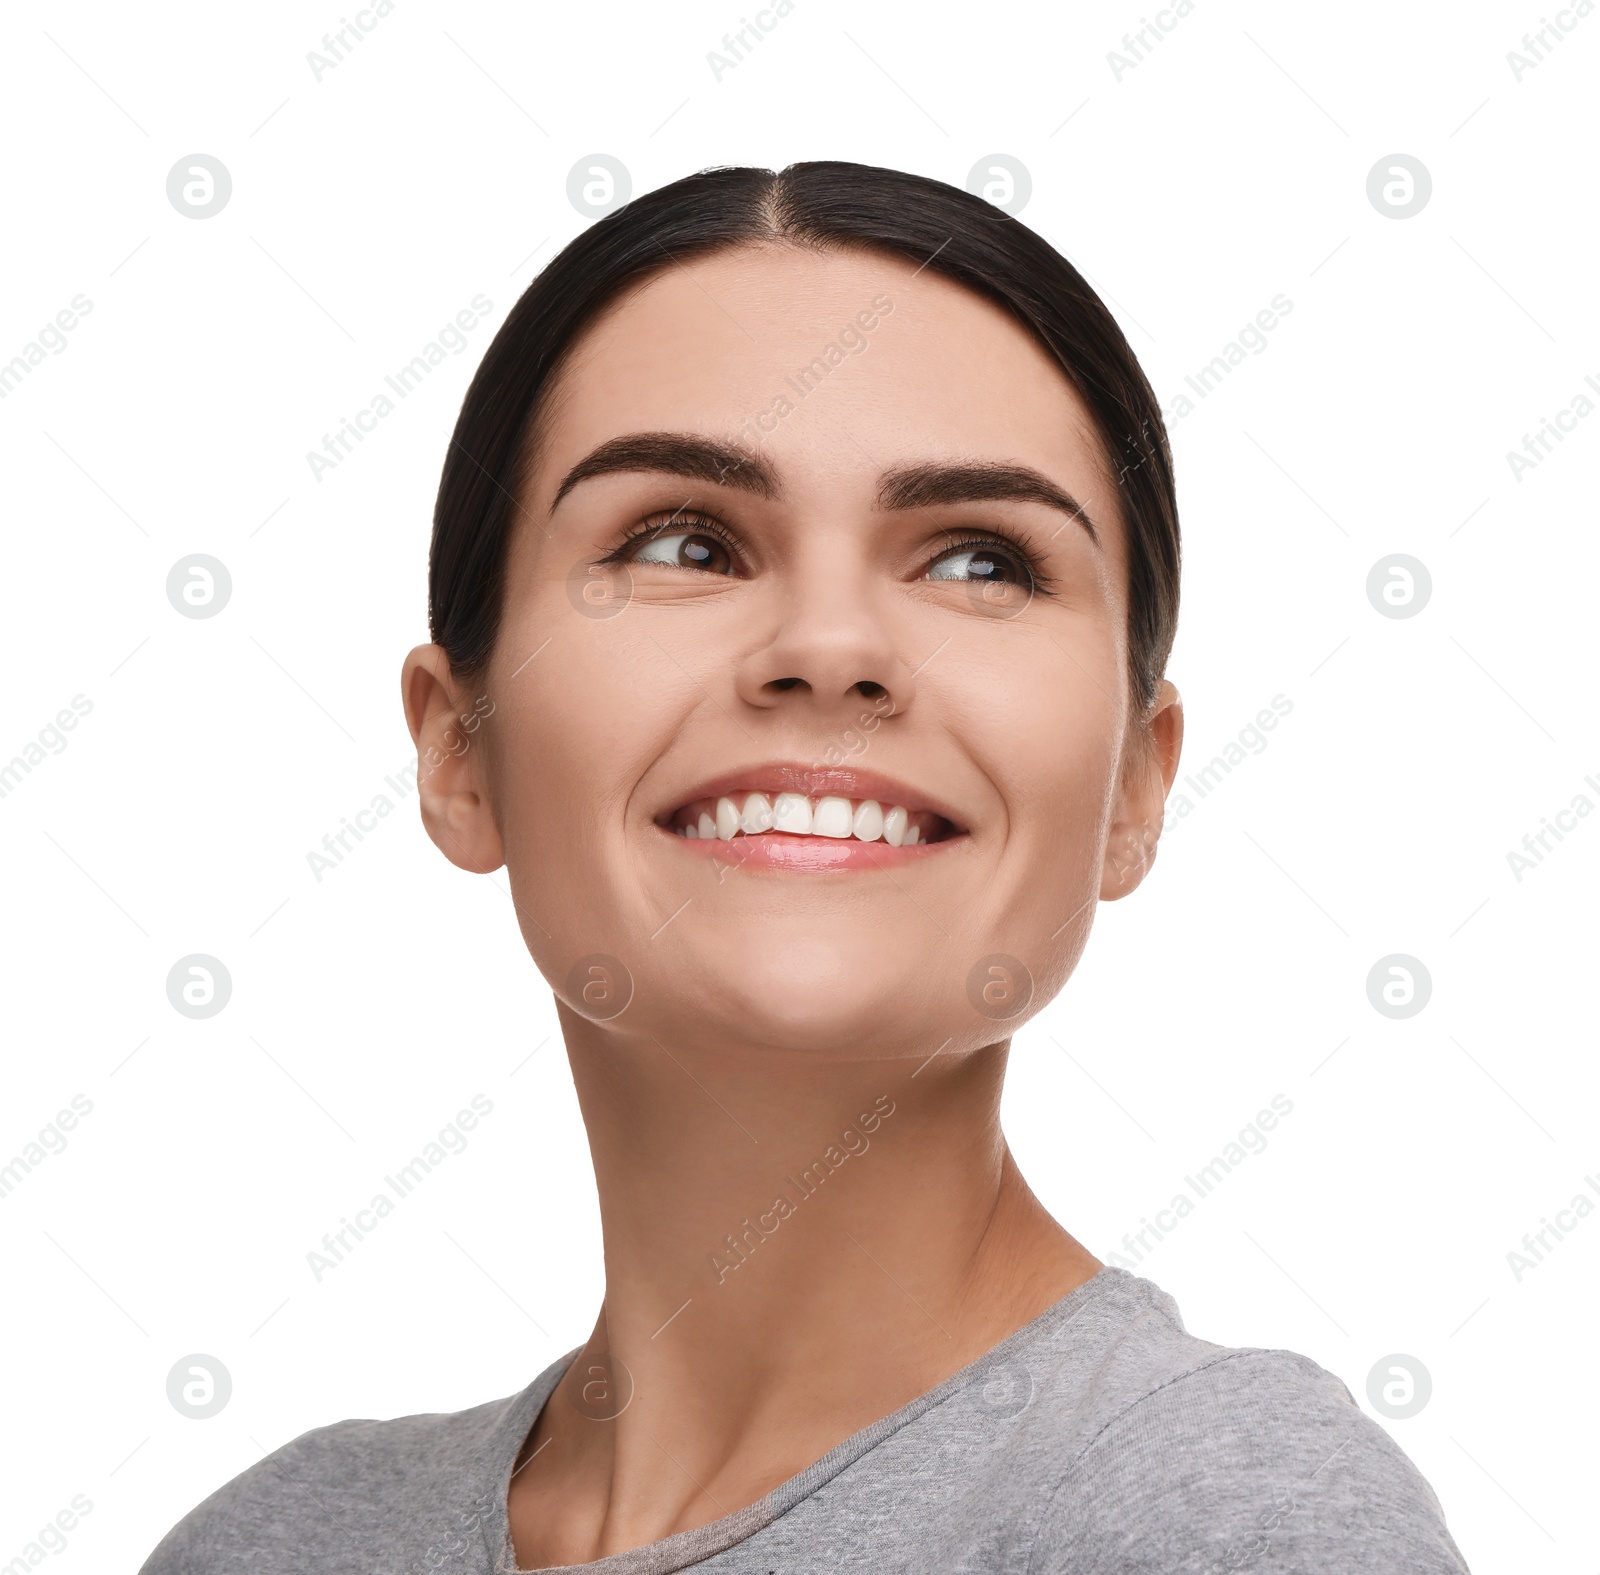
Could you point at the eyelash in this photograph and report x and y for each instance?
(1020, 546)
(675, 522)
(704, 524)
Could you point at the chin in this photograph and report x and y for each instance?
(815, 996)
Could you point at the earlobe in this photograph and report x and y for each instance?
(448, 727)
(1130, 851)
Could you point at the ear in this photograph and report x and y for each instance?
(448, 726)
(1150, 766)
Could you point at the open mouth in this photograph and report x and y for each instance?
(731, 816)
(799, 818)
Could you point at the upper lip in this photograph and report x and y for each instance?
(815, 781)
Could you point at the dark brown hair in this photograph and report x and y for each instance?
(824, 205)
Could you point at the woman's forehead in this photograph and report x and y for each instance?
(839, 362)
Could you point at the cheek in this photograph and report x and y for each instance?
(575, 730)
(1045, 718)
(556, 789)
(1062, 797)
(1047, 728)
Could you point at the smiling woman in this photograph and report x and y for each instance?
(957, 550)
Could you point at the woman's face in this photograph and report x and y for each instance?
(810, 539)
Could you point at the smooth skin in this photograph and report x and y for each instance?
(771, 1008)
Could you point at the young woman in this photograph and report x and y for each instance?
(804, 570)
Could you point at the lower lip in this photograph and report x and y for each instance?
(779, 850)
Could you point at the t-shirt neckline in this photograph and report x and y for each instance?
(686, 1548)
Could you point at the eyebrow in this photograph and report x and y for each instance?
(921, 486)
(908, 487)
(697, 458)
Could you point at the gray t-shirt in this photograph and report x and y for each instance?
(1101, 1438)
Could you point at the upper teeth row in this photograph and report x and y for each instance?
(800, 816)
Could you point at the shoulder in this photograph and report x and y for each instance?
(1227, 1458)
(340, 1498)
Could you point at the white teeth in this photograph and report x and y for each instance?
(792, 813)
(868, 823)
(757, 815)
(831, 818)
(723, 819)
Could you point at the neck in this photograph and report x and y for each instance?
(794, 1248)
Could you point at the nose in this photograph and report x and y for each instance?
(831, 647)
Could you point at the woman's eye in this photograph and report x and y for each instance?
(685, 550)
(988, 565)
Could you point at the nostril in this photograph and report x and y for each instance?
(788, 683)
(869, 690)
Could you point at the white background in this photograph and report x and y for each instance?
(368, 208)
